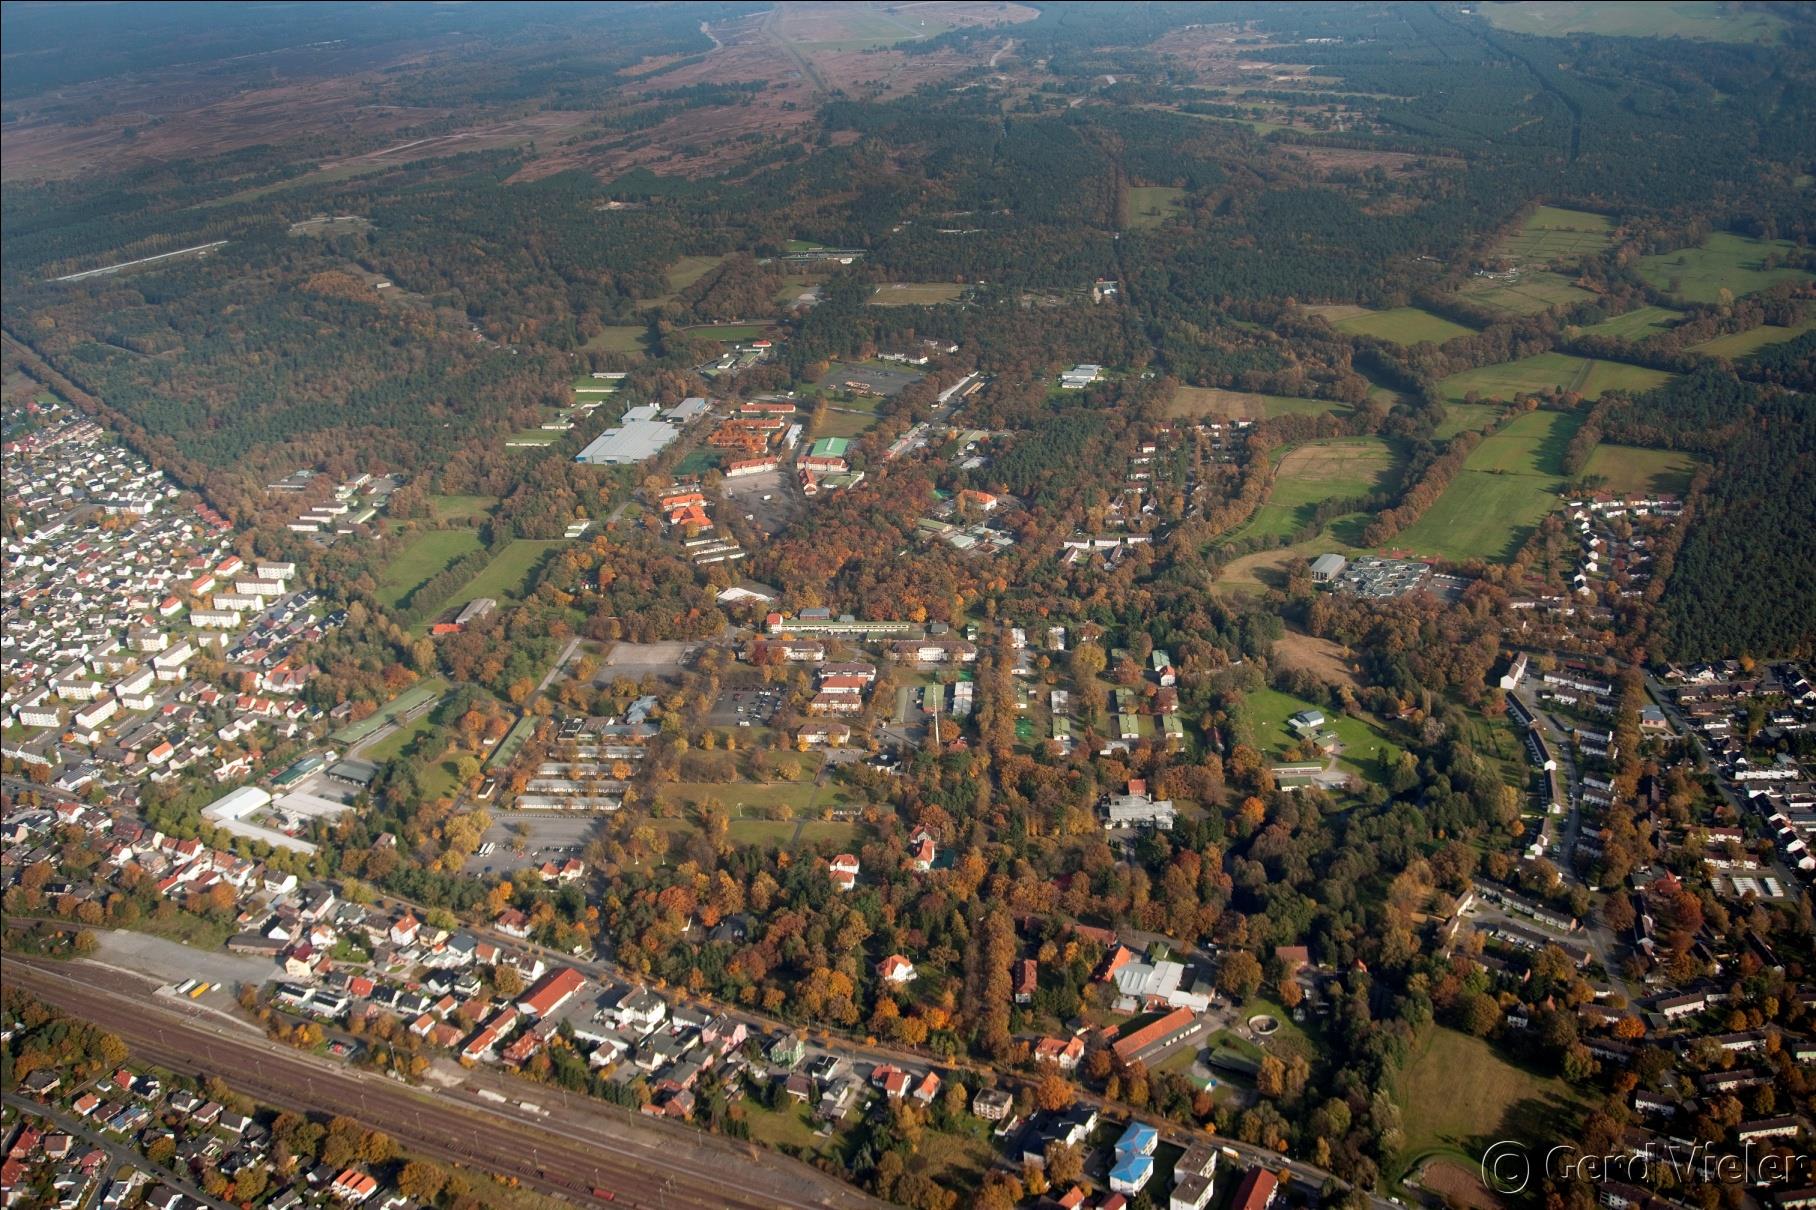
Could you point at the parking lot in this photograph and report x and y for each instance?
(769, 500)
(546, 835)
(738, 706)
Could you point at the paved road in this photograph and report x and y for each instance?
(71, 1125)
(564, 1150)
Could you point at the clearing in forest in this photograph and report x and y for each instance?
(1214, 403)
(1402, 325)
(1152, 205)
(1724, 261)
(1586, 376)
(916, 294)
(1641, 323)
(1525, 292)
(1745, 344)
(1318, 471)
(1510, 481)
(1555, 236)
(423, 557)
(1632, 470)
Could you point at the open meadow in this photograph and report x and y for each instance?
(1586, 376)
(1555, 236)
(1506, 487)
(1317, 471)
(1724, 261)
(1526, 292)
(1402, 325)
(1637, 324)
(1152, 205)
(916, 294)
(422, 557)
(1706, 20)
(1745, 344)
(1633, 470)
(1214, 403)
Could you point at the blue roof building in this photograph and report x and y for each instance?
(1139, 1139)
(1131, 1172)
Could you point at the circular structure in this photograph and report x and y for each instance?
(1263, 1024)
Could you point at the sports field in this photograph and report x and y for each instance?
(1637, 324)
(1556, 236)
(1586, 376)
(1725, 261)
(1318, 471)
(1152, 205)
(1402, 325)
(916, 294)
(1214, 403)
(1528, 293)
(422, 557)
(1508, 484)
(1633, 470)
(1745, 344)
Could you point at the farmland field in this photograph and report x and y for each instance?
(1527, 294)
(1214, 402)
(916, 294)
(1402, 325)
(1704, 20)
(1318, 471)
(1587, 377)
(426, 554)
(1461, 417)
(1637, 324)
(1725, 261)
(1506, 487)
(1557, 236)
(1744, 344)
(1152, 205)
(1636, 471)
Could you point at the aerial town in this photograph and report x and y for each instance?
(1064, 606)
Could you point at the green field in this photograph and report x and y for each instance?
(507, 577)
(684, 273)
(731, 332)
(1745, 344)
(468, 509)
(1364, 748)
(1586, 376)
(1728, 261)
(844, 424)
(1637, 324)
(1317, 471)
(1704, 20)
(798, 795)
(534, 437)
(624, 338)
(1216, 403)
(1152, 205)
(1442, 1113)
(1508, 484)
(1402, 325)
(426, 554)
(1635, 471)
(1529, 293)
(916, 294)
(1461, 417)
(1555, 236)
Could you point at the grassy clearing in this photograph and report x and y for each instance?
(684, 273)
(1215, 403)
(741, 797)
(844, 424)
(1366, 751)
(1637, 324)
(1527, 294)
(1318, 471)
(534, 437)
(468, 509)
(624, 338)
(1508, 484)
(1151, 205)
(423, 557)
(1442, 1113)
(916, 294)
(1725, 261)
(1586, 376)
(1745, 344)
(507, 577)
(1402, 325)
(1556, 236)
(1704, 20)
(1633, 470)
